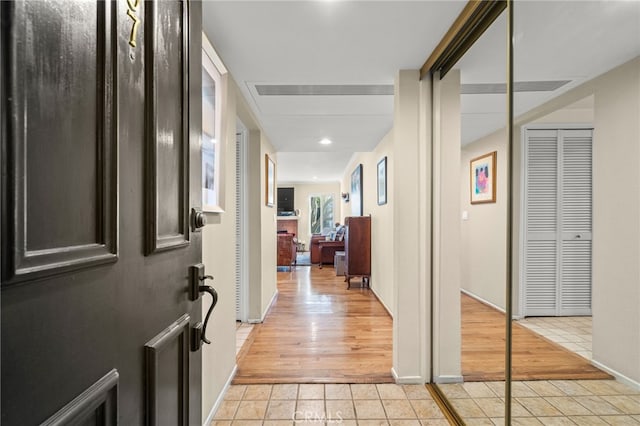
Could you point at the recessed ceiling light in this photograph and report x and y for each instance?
(325, 141)
(315, 178)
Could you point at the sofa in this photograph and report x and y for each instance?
(329, 249)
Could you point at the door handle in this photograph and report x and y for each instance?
(196, 286)
(214, 300)
(198, 220)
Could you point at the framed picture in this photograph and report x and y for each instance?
(356, 191)
(270, 179)
(483, 179)
(212, 146)
(382, 181)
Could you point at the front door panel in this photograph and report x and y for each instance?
(61, 172)
(86, 298)
(167, 122)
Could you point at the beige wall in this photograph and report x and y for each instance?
(483, 243)
(446, 226)
(219, 358)
(302, 192)
(268, 241)
(218, 256)
(483, 247)
(261, 219)
(616, 221)
(382, 245)
(616, 209)
(411, 328)
(616, 230)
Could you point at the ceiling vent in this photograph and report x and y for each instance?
(518, 86)
(324, 89)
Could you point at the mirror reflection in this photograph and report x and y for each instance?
(577, 139)
(575, 280)
(471, 102)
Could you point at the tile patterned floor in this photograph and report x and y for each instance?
(574, 333)
(554, 402)
(243, 329)
(344, 404)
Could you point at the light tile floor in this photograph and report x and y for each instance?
(344, 404)
(243, 329)
(552, 402)
(574, 333)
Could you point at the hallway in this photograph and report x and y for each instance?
(317, 331)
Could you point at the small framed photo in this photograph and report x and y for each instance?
(382, 181)
(270, 180)
(483, 179)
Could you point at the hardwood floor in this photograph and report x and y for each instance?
(533, 357)
(319, 332)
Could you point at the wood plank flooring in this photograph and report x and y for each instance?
(533, 356)
(319, 332)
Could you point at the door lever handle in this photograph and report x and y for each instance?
(214, 300)
(196, 286)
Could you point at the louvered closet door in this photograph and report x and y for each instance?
(239, 223)
(557, 267)
(541, 255)
(575, 214)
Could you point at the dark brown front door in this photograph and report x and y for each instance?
(100, 169)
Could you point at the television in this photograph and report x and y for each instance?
(285, 201)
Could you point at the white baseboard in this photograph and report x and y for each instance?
(386, 308)
(220, 398)
(447, 379)
(486, 302)
(264, 314)
(493, 305)
(273, 299)
(619, 376)
(407, 380)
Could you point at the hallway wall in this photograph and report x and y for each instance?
(382, 245)
(268, 226)
(219, 358)
(218, 256)
(616, 221)
(616, 208)
(616, 230)
(446, 228)
(484, 233)
(483, 255)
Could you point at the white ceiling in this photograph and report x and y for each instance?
(559, 40)
(321, 43)
(367, 42)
